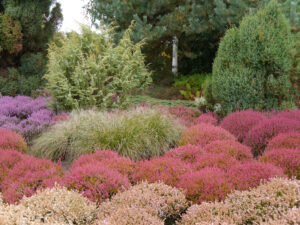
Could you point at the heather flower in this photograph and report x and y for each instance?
(292, 114)
(60, 117)
(186, 153)
(207, 118)
(239, 123)
(184, 114)
(289, 140)
(11, 140)
(287, 159)
(203, 134)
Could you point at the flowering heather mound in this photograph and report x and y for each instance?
(259, 136)
(275, 199)
(287, 159)
(8, 159)
(25, 115)
(292, 114)
(51, 206)
(207, 118)
(203, 134)
(289, 140)
(96, 181)
(157, 199)
(60, 117)
(244, 176)
(239, 123)
(208, 184)
(218, 160)
(186, 153)
(233, 148)
(11, 140)
(29, 175)
(185, 115)
(168, 170)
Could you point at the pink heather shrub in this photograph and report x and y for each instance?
(203, 134)
(240, 122)
(292, 114)
(186, 153)
(28, 176)
(208, 184)
(207, 118)
(259, 136)
(233, 148)
(11, 140)
(287, 159)
(289, 140)
(219, 160)
(8, 159)
(185, 115)
(244, 176)
(165, 169)
(60, 117)
(96, 181)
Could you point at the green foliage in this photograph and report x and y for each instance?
(139, 133)
(192, 85)
(253, 64)
(89, 70)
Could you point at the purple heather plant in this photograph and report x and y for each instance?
(25, 115)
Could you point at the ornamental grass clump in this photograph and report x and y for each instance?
(289, 140)
(157, 199)
(208, 184)
(165, 169)
(186, 153)
(287, 159)
(251, 174)
(29, 175)
(96, 181)
(240, 122)
(259, 136)
(233, 148)
(139, 133)
(11, 140)
(203, 134)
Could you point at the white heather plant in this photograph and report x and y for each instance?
(137, 133)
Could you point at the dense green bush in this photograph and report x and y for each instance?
(139, 133)
(88, 69)
(253, 64)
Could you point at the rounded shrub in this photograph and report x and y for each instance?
(88, 69)
(184, 114)
(218, 160)
(157, 199)
(289, 140)
(11, 140)
(208, 184)
(287, 159)
(29, 175)
(207, 118)
(186, 153)
(240, 122)
(259, 136)
(251, 174)
(95, 181)
(253, 63)
(203, 134)
(165, 169)
(292, 114)
(233, 148)
(138, 134)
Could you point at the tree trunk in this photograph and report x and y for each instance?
(175, 56)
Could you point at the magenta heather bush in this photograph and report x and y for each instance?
(96, 181)
(251, 174)
(218, 160)
(185, 115)
(233, 148)
(292, 114)
(207, 118)
(289, 140)
(25, 115)
(239, 123)
(60, 117)
(259, 136)
(287, 159)
(203, 134)
(11, 140)
(28, 176)
(165, 169)
(186, 153)
(208, 184)
(8, 159)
